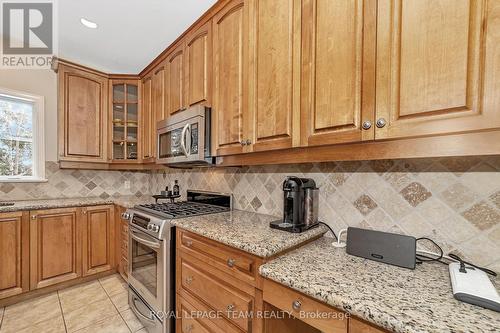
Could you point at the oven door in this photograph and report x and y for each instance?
(182, 142)
(146, 269)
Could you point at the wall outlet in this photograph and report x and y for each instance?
(127, 184)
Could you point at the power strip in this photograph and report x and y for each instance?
(472, 285)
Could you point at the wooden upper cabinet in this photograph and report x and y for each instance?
(98, 239)
(14, 253)
(274, 28)
(158, 95)
(230, 34)
(55, 246)
(198, 52)
(83, 98)
(147, 124)
(437, 66)
(338, 71)
(175, 81)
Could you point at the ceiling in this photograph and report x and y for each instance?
(130, 33)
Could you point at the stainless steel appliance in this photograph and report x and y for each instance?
(184, 138)
(152, 254)
(300, 205)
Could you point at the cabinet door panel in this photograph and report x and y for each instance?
(337, 71)
(148, 132)
(98, 233)
(158, 102)
(14, 253)
(272, 71)
(432, 67)
(199, 65)
(230, 26)
(82, 123)
(55, 252)
(175, 75)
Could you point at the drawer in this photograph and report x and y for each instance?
(194, 318)
(220, 256)
(329, 321)
(232, 304)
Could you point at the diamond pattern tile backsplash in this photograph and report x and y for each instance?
(455, 201)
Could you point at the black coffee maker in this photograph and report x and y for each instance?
(300, 205)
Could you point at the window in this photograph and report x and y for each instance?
(22, 150)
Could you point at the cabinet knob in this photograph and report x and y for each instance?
(189, 279)
(381, 122)
(367, 125)
(33, 217)
(189, 328)
(231, 262)
(248, 142)
(243, 143)
(231, 307)
(189, 243)
(84, 212)
(296, 305)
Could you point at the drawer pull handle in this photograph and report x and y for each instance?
(189, 328)
(189, 243)
(231, 307)
(231, 262)
(296, 305)
(189, 279)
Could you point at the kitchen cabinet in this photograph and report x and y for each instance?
(55, 246)
(158, 95)
(437, 67)
(83, 100)
(176, 80)
(14, 253)
(198, 52)
(230, 35)
(148, 126)
(124, 115)
(98, 239)
(338, 71)
(274, 28)
(121, 243)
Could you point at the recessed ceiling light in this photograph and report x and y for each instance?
(88, 24)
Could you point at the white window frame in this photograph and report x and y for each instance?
(38, 137)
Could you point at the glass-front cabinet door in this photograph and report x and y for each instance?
(125, 120)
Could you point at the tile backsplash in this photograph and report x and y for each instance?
(455, 201)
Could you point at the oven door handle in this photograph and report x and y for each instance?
(186, 149)
(139, 313)
(141, 240)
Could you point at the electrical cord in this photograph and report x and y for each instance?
(331, 230)
(451, 257)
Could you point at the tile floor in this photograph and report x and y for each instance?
(99, 306)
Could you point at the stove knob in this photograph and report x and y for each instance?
(155, 228)
(150, 226)
(125, 216)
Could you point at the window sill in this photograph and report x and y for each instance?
(23, 180)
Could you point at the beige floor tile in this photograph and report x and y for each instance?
(89, 314)
(120, 301)
(113, 284)
(132, 322)
(81, 295)
(142, 330)
(53, 325)
(30, 312)
(114, 324)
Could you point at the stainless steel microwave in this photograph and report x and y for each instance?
(184, 138)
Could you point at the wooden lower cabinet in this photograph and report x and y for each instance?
(14, 253)
(55, 246)
(121, 242)
(98, 239)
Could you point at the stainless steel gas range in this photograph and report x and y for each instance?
(151, 273)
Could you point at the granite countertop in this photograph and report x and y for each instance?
(124, 201)
(397, 299)
(246, 231)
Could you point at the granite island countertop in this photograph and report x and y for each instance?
(124, 201)
(397, 299)
(247, 231)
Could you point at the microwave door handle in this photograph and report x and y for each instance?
(188, 141)
(152, 245)
(183, 139)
